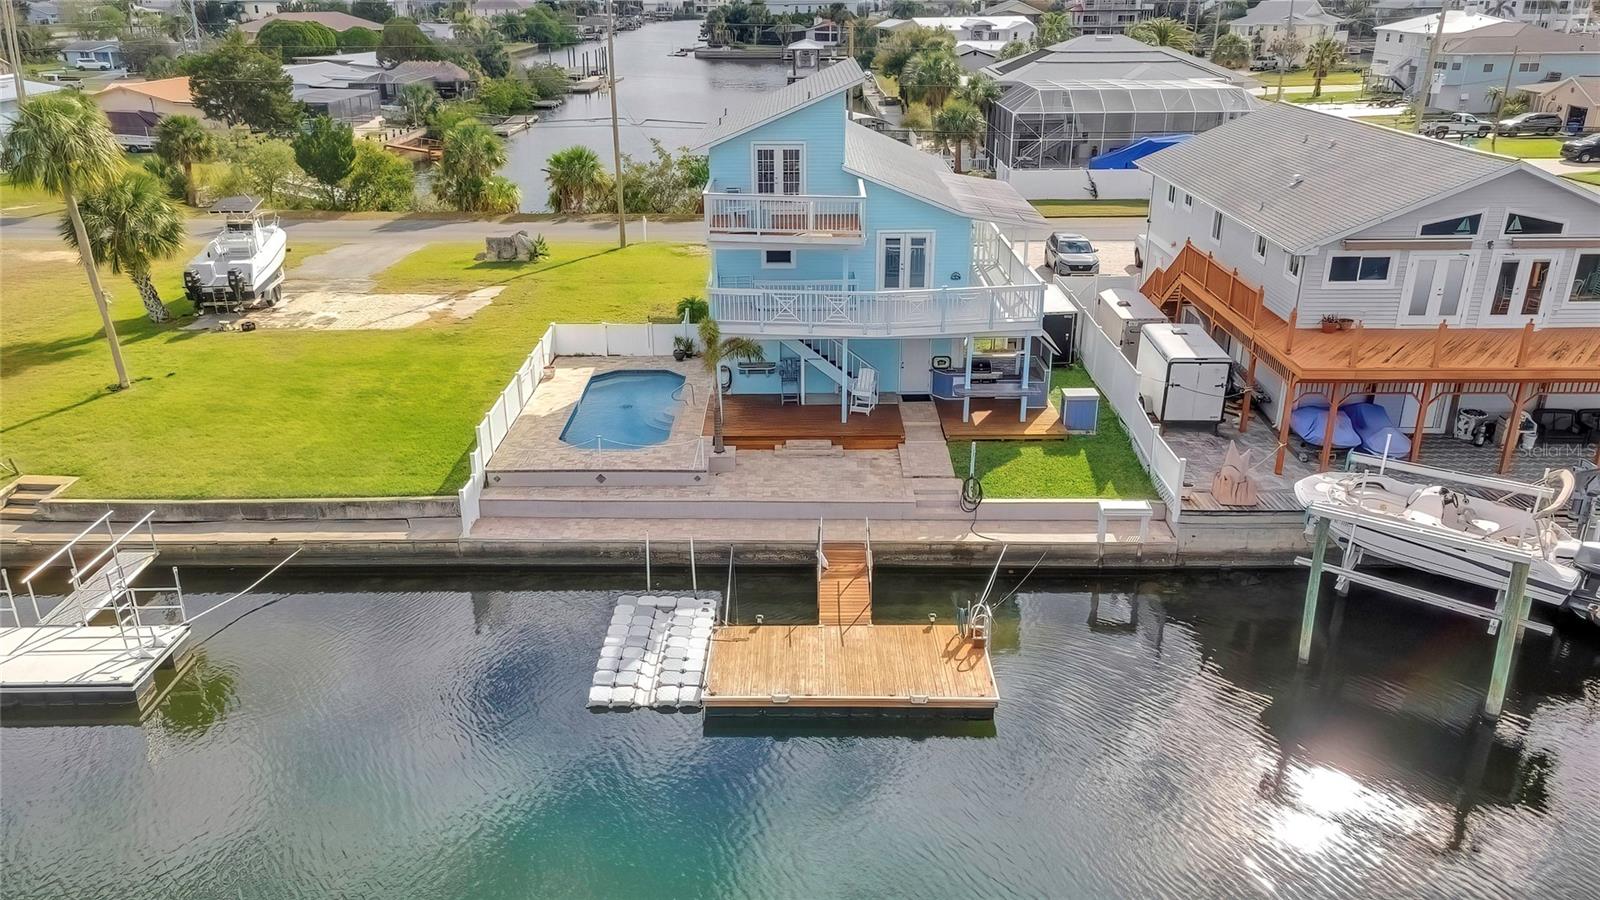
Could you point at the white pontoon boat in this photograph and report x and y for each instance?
(243, 265)
(1565, 571)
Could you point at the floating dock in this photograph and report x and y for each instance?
(845, 663)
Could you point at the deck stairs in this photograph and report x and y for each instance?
(97, 579)
(830, 357)
(21, 498)
(844, 581)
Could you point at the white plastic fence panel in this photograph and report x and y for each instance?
(471, 493)
(579, 340)
(628, 340)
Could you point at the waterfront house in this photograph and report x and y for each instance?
(163, 97)
(970, 28)
(1270, 21)
(1109, 16)
(866, 268)
(1358, 262)
(1478, 56)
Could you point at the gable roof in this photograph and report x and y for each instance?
(1304, 178)
(1520, 37)
(1096, 57)
(338, 21)
(839, 77)
(883, 160)
(1587, 85)
(172, 90)
(85, 46)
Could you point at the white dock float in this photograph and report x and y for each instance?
(654, 653)
(50, 665)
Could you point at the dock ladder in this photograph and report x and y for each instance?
(844, 580)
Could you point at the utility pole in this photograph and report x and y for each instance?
(1288, 41)
(14, 50)
(1505, 94)
(616, 138)
(1424, 85)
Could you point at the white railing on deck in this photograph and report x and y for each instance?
(1118, 381)
(785, 215)
(852, 313)
(996, 260)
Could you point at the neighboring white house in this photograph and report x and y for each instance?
(1401, 48)
(1556, 15)
(1470, 279)
(970, 28)
(1269, 21)
(251, 10)
(1109, 16)
(1478, 56)
(8, 99)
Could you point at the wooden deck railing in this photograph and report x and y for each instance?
(1210, 285)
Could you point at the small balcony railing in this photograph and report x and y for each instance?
(816, 310)
(814, 217)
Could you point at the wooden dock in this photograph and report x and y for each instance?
(845, 663)
(763, 422)
(998, 420)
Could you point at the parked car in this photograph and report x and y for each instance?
(1071, 254)
(1584, 149)
(1263, 64)
(1456, 125)
(1529, 123)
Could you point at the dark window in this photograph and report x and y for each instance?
(779, 258)
(1488, 67)
(1460, 225)
(1517, 223)
(1359, 268)
(1586, 279)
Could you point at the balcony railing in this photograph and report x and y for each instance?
(838, 312)
(813, 217)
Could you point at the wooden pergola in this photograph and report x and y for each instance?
(1426, 364)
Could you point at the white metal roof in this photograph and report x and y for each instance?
(884, 160)
(841, 76)
(1455, 22)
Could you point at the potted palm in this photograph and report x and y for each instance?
(682, 348)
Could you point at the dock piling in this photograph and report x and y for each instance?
(1308, 618)
(1513, 611)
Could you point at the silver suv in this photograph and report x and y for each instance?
(1067, 253)
(1529, 123)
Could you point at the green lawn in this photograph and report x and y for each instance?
(1523, 147)
(28, 201)
(290, 413)
(1585, 177)
(1355, 95)
(1057, 209)
(1079, 466)
(1305, 78)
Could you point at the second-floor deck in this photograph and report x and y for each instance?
(1006, 297)
(807, 218)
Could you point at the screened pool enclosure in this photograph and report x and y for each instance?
(1061, 125)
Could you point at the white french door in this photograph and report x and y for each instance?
(780, 169)
(1519, 288)
(1436, 288)
(905, 260)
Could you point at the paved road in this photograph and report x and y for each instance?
(17, 224)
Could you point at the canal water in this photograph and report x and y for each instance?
(668, 98)
(424, 736)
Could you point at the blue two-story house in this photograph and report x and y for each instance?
(864, 266)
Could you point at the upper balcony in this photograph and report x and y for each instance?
(786, 218)
(1008, 298)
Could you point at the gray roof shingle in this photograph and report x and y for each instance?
(838, 77)
(884, 160)
(1303, 178)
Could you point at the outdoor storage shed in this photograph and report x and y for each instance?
(1121, 313)
(1183, 374)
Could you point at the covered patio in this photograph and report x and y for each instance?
(1422, 366)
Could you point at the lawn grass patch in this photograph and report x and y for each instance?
(1351, 96)
(289, 413)
(28, 201)
(1077, 466)
(1523, 147)
(1306, 78)
(1061, 209)
(1585, 177)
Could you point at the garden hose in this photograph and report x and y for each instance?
(971, 494)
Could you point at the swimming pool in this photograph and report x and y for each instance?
(624, 410)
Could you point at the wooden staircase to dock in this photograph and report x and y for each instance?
(844, 581)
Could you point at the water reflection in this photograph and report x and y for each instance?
(198, 698)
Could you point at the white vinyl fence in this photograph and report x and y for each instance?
(1118, 381)
(558, 340)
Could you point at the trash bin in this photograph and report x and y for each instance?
(1470, 424)
(1527, 430)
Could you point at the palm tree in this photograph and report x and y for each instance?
(418, 102)
(130, 224)
(1321, 57)
(62, 143)
(466, 178)
(1054, 27)
(958, 123)
(575, 177)
(916, 117)
(1163, 32)
(931, 75)
(980, 90)
(183, 141)
(1231, 51)
(714, 350)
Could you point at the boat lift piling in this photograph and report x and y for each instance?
(1506, 620)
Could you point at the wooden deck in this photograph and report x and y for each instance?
(762, 422)
(873, 667)
(844, 592)
(997, 420)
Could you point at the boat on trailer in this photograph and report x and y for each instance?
(1564, 570)
(242, 267)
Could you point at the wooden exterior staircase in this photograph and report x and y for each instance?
(844, 581)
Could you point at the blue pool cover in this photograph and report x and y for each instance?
(624, 410)
(1124, 158)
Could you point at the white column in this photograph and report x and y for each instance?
(966, 398)
(844, 389)
(1027, 366)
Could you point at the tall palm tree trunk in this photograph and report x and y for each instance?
(190, 195)
(153, 307)
(86, 256)
(958, 157)
(716, 418)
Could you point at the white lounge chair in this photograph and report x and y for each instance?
(864, 391)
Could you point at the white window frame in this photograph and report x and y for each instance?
(1327, 272)
(1260, 248)
(1483, 219)
(905, 251)
(1216, 227)
(1512, 211)
(1172, 196)
(1288, 264)
(768, 264)
(777, 148)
